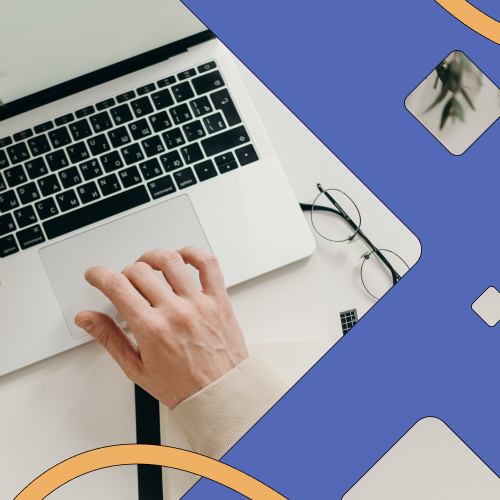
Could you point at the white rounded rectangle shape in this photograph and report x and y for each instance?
(430, 461)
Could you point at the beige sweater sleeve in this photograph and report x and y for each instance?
(216, 417)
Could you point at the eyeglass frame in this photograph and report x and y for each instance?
(357, 231)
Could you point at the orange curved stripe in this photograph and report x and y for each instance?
(473, 18)
(130, 454)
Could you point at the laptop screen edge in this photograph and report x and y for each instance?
(102, 75)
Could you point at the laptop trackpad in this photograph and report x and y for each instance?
(170, 225)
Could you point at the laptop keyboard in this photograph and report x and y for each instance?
(118, 154)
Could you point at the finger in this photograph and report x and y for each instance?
(107, 332)
(211, 278)
(172, 266)
(117, 288)
(148, 283)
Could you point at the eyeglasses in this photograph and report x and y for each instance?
(381, 269)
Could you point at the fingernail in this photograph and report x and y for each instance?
(85, 324)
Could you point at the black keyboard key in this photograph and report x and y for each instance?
(173, 138)
(6, 141)
(171, 161)
(108, 103)
(208, 82)
(225, 158)
(15, 176)
(59, 137)
(160, 121)
(78, 152)
(36, 168)
(153, 146)
(3, 185)
(8, 201)
(226, 162)
(88, 192)
(46, 208)
(214, 123)
(130, 177)
(4, 163)
(205, 170)
(57, 160)
(186, 74)
(132, 154)
(184, 178)
(145, 89)
(25, 134)
(64, 119)
(166, 81)
(150, 169)
(7, 224)
(96, 212)
(67, 200)
(98, 144)
(161, 187)
(119, 137)
(39, 145)
(18, 153)
(30, 237)
(227, 167)
(8, 246)
(201, 106)
(194, 130)
(91, 169)
(80, 130)
(182, 92)
(141, 107)
(25, 216)
(28, 193)
(180, 114)
(192, 153)
(101, 122)
(207, 67)
(162, 99)
(140, 129)
(44, 127)
(246, 155)
(121, 114)
(125, 97)
(109, 185)
(89, 110)
(226, 140)
(70, 177)
(49, 185)
(223, 102)
(111, 162)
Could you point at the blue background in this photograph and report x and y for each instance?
(345, 68)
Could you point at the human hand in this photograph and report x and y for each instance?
(186, 338)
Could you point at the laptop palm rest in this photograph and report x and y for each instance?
(170, 225)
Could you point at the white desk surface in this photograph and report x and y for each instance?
(79, 400)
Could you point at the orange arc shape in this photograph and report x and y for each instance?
(473, 18)
(130, 454)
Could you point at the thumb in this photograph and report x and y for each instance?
(109, 334)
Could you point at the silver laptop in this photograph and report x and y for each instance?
(114, 145)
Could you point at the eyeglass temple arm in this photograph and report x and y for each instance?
(395, 276)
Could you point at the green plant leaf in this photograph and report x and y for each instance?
(446, 112)
(467, 98)
(441, 71)
(441, 96)
(454, 74)
(457, 108)
(436, 82)
(466, 62)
